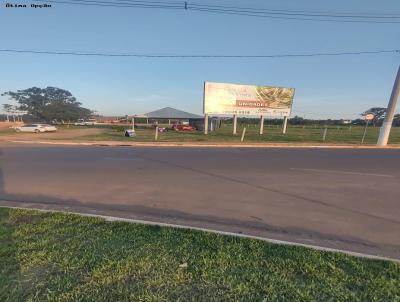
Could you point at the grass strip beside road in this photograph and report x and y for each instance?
(48, 256)
(272, 134)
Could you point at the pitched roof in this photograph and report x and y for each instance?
(171, 113)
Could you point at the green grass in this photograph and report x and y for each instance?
(58, 257)
(272, 133)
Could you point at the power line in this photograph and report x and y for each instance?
(241, 11)
(205, 56)
(312, 12)
(284, 16)
(286, 13)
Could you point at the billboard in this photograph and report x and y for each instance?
(230, 99)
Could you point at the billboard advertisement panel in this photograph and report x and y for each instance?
(247, 100)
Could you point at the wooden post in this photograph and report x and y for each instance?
(285, 118)
(261, 124)
(235, 124)
(243, 133)
(156, 135)
(206, 123)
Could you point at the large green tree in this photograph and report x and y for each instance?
(377, 112)
(49, 103)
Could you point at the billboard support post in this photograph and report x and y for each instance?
(387, 123)
(261, 124)
(235, 124)
(285, 118)
(206, 123)
(133, 123)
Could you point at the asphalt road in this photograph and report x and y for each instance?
(339, 198)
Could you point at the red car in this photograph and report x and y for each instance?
(180, 127)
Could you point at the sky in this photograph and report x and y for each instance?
(326, 87)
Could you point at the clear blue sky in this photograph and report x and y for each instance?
(325, 86)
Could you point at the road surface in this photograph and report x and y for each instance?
(338, 198)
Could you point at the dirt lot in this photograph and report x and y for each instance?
(5, 125)
(9, 135)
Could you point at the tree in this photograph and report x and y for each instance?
(49, 103)
(378, 112)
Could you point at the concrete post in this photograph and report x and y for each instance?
(206, 123)
(235, 124)
(387, 123)
(324, 135)
(156, 134)
(243, 134)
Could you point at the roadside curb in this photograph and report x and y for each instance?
(202, 145)
(213, 231)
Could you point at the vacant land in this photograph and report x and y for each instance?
(61, 134)
(63, 257)
(272, 133)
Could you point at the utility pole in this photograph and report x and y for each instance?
(387, 123)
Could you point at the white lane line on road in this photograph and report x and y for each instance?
(118, 158)
(341, 172)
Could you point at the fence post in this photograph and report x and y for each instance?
(365, 132)
(156, 135)
(243, 133)
(324, 135)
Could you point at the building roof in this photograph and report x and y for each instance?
(172, 113)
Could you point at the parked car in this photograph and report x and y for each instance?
(181, 127)
(90, 122)
(36, 128)
(82, 122)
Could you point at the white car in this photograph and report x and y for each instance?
(82, 122)
(90, 122)
(36, 128)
